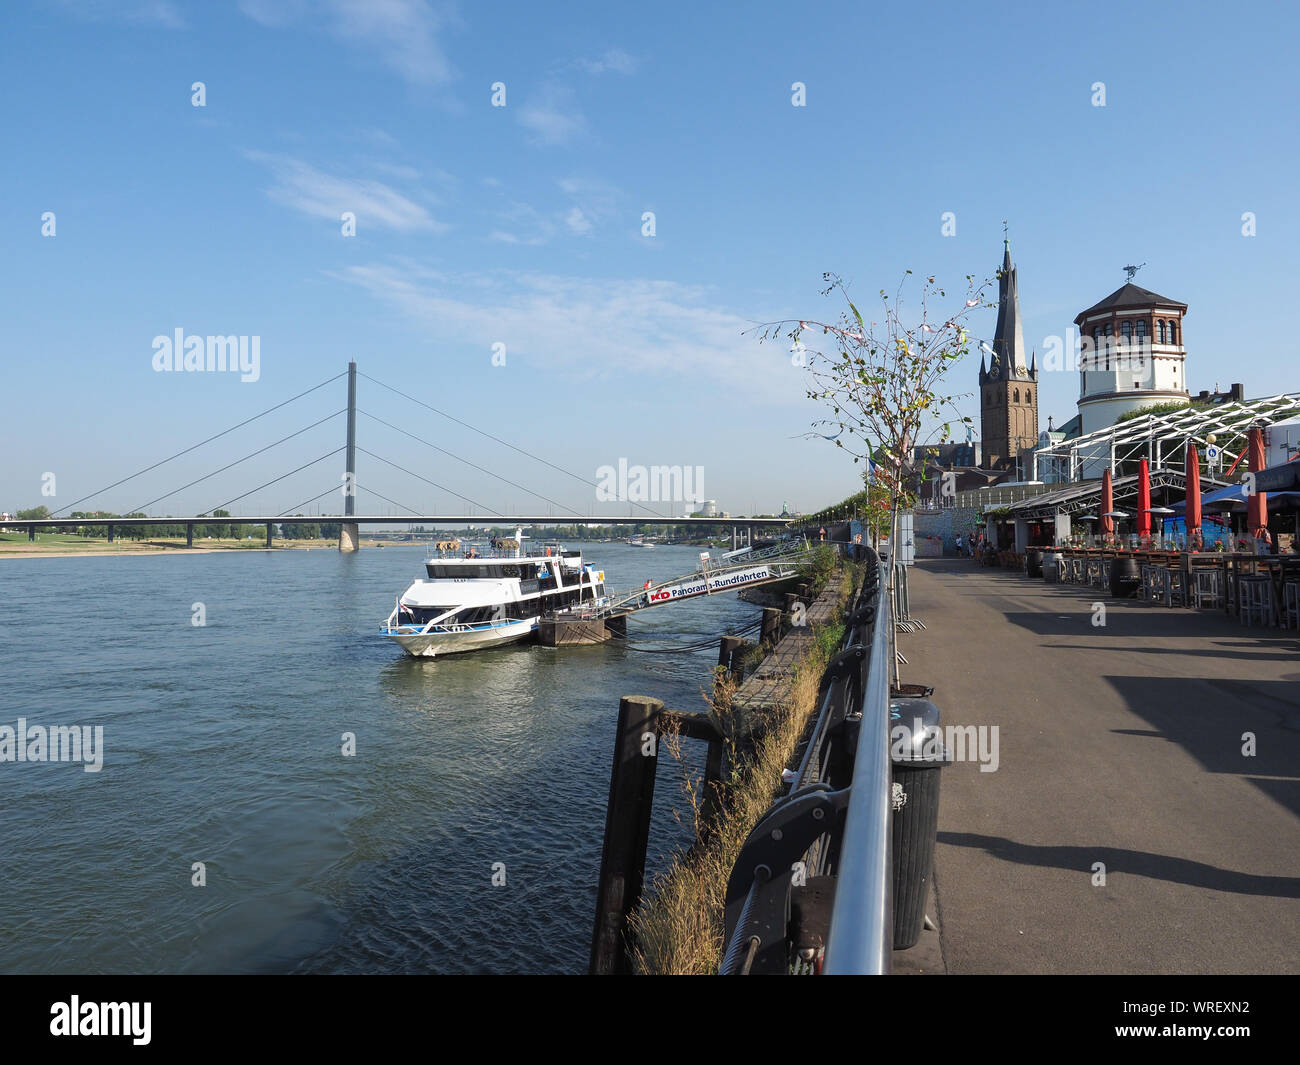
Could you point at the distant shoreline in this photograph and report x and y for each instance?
(11, 550)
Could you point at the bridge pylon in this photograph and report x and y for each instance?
(349, 532)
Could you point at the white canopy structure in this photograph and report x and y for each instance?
(1162, 437)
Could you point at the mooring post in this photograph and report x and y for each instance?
(627, 832)
(726, 646)
(771, 629)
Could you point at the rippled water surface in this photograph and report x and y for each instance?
(222, 745)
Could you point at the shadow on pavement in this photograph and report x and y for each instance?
(1135, 863)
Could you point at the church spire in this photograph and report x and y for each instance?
(1008, 337)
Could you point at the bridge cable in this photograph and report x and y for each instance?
(328, 454)
(481, 432)
(237, 462)
(288, 513)
(458, 458)
(201, 443)
(426, 480)
(387, 500)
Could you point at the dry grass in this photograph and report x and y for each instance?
(679, 927)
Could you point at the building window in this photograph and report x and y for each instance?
(1029, 395)
(1160, 331)
(1017, 395)
(1126, 331)
(1173, 333)
(1141, 330)
(1110, 329)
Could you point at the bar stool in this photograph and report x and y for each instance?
(1291, 604)
(1256, 603)
(1160, 584)
(1175, 588)
(1148, 590)
(1209, 589)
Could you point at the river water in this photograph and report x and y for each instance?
(222, 745)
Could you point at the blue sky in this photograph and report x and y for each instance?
(522, 225)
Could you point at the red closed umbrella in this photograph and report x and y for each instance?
(1107, 504)
(1192, 475)
(1257, 503)
(1144, 501)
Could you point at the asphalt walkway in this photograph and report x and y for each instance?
(1119, 744)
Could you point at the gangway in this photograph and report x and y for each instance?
(735, 570)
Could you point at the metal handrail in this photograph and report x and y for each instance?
(861, 932)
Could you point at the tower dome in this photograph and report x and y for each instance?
(1132, 355)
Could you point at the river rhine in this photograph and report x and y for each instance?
(222, 745)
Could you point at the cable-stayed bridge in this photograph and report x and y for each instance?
(475, 513)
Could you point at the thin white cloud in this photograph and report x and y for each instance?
(578, 222)
(552, 118)
(523, 224)
(313, 192)
(587, 326)
(613, 61)
(403, 33)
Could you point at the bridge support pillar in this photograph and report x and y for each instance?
(269, 530)
(733, 538)
(110, 533)
(189, 534)
(31, 532)
(349, 536)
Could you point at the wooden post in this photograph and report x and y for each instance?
(627, 832)
(771, 627)
(726, 646)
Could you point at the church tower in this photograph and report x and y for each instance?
(1008, 387)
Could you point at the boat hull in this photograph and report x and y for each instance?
(470, 638)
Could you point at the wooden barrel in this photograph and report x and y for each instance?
(1125, 577)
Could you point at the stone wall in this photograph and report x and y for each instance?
(946, 525)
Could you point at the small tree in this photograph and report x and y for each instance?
(882, 379)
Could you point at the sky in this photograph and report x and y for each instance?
(502, 271)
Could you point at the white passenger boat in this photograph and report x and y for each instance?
(472, 599)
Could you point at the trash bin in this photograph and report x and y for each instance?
(1034, 561)
(1052, 562)
(916, 753)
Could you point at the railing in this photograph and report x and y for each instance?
(846, 757)
(861, 932)
(784, 559)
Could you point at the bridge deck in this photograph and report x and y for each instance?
(1122, 745)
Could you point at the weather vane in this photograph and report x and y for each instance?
(1132, 270)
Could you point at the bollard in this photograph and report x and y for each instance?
(627, 833)
(770, 632)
